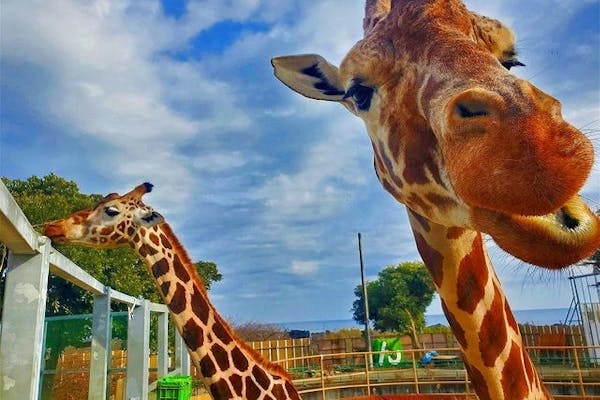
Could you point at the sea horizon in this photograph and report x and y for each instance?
(544, 316)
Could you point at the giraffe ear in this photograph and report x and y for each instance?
(310, 75)
(150, 219)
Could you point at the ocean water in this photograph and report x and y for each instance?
(547, 316)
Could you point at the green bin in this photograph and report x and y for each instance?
(174, 387)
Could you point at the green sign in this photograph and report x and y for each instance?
(387, 352)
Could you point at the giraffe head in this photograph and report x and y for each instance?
(114, 221)
(457, 137)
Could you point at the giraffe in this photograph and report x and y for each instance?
(229, 367)
(469, 149)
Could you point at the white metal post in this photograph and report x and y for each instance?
(162, 347)
(101, 349)
(138, 349)
(182, 357)
(21, 342)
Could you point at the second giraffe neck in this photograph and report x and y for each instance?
(477, 311)
(229, 367)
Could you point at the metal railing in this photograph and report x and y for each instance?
(566, 371)
(30, 262)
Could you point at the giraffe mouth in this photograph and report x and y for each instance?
(555, 240)
(55, 233)
(58, 239)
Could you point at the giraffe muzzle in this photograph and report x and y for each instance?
(55, 233)
(573, 229)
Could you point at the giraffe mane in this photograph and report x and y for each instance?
(191, 268)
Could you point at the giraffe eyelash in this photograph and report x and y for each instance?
(512, 62)
(111, 211)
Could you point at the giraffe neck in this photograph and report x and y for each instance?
(229, 367)
(477, 311)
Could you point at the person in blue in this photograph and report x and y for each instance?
(429, 357)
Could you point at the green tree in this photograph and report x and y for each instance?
(209, 273)
(52, 197)
(398, 298)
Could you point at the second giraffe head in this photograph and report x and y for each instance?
(113, 222)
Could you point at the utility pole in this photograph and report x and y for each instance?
(366, 299)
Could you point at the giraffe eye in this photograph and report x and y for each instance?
(361, 94)
(111, 211)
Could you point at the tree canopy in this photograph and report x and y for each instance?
(398, 298)
(52, 197)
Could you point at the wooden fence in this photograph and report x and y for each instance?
(274, 350)
(284, 349)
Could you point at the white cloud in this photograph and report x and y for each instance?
(327, 177)
(110, 82)
(304, 267)
(218, 162)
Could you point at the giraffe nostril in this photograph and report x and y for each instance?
(566, 220)
(474, 104)
(466, 110)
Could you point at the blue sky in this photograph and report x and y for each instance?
(271, 186)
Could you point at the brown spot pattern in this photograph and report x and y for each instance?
(419, 152)
(472, 277)
(291, 391)
(239, 360)
(432, 258)
(261, 377)
(415, 201)
(492, 334)
(207, 366)
(154, 239)
(160, 268)
(200, 306)
(178, 301)
(442, 202)
(390, 189)
(107, 230)
(147, 250)
(510, 317)
(389, 168)
(479, 383)
(457, 329)
(221, 332)
(424, 222)
(394, 138)
(180, 269)
(115, 237)
(164, 288)
(220, 390)
(165, 242)
(237, 383)
(221, 356)
(513, 377)
(531, 374)
(454, 233)
(252, 390)
(192, 335)
(279, 392)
